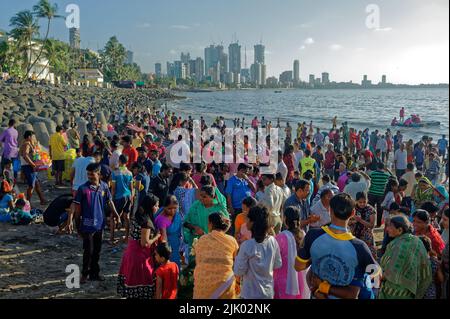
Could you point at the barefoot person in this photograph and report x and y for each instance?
(90, 202)
(27, 153)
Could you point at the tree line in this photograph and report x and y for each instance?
(17, 59)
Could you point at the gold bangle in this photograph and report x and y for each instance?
(324, 287)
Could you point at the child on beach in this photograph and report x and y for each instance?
(241, 232)
(166, 274)
(19, 216)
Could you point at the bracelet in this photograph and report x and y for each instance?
(324, 287)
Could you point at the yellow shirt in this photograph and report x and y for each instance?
(57, 144)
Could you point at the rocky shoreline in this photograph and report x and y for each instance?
(41, 108)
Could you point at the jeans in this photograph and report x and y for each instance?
(92, 246)
(376, 201)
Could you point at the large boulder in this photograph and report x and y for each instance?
(22, 128)
(42, 134)
(82, 126)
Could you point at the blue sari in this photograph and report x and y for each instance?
(174, 236)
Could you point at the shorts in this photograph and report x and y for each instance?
(58, 166)
(31, 176)
(123, 205)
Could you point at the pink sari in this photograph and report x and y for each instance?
(283, 287)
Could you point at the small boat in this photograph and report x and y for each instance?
(421, 124)
(278, 91)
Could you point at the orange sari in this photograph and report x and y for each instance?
(213, 274)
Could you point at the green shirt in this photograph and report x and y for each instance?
(378, 181)
(198, 216)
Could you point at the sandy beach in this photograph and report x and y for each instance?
(33, 261)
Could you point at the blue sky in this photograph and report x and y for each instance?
(411, 44)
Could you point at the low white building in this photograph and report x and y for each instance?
(90, 77)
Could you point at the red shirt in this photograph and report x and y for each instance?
(169, 277)
(330, 158)
(132, 155)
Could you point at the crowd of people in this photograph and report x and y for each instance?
(224, 230)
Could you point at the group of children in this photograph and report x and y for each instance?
(14, 208)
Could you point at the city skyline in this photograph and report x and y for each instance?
(410, 45)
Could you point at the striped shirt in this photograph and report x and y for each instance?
(379, 180)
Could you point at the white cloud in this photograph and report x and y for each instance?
(180, 27)
(383, 29)
(172, 52)
(336, 47)
(302, 26)
(309, 41)
(303, 47)
(144, 25)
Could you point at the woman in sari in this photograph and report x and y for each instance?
(214, 257)
(136, 271)
(405, 264)
(196, 221)
(168, 222)
(288, 283)
(423, 227)
(423, 192)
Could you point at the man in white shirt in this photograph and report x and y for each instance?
(282, 168)
(114, 159)
(357, 184)
(400, 161)
(273, 199)
(382, 146)
(410, 177)
(322, 209)
(319, 138)
(78, 175)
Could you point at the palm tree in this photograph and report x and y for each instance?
(45, 9)
(25, 27)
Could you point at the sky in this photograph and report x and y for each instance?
(410, 44)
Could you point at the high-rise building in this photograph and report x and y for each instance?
(260, 54)
(272, 81)
(286, 77)
(158, 70)
(185, 57)
(325, 78)
(196, 69)
(234, 55)
(74, 38)
(170, 69)
(245, 75)
(296, 71)
(130, 57)
(312, 79)
(383, 79)
(214, 55)
(181, 70)
(256, 73)
(263, 74)
(210, 58)
(366, 82)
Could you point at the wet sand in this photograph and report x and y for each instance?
(33, 260)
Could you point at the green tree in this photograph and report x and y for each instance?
(44, 9)
(113, 58)
(25, 28)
